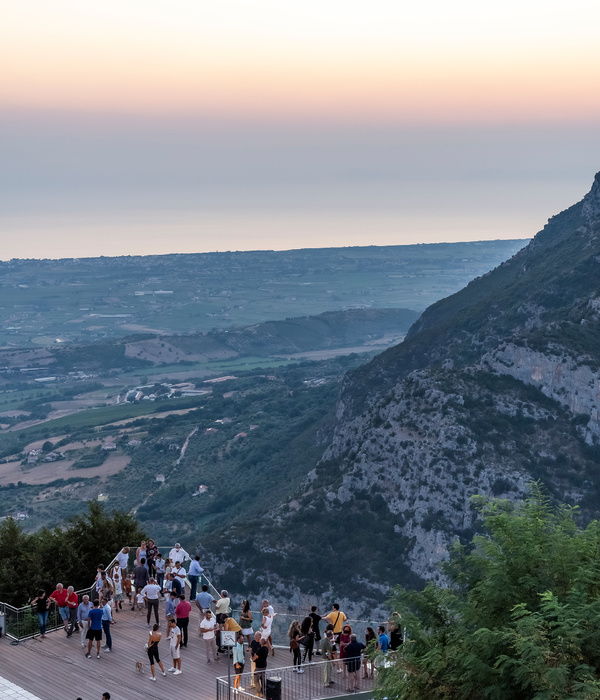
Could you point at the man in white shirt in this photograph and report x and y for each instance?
(178, 554)
(123, 558)
(179, 573)
(208, 627)
(150, 591)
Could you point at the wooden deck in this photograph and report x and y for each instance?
(56, 668)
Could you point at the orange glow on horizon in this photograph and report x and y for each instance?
(330, 61)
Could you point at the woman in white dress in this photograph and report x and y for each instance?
(265, 627)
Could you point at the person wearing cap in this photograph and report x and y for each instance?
(178, 554)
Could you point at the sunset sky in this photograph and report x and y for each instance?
(187, 126)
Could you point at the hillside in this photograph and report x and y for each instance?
(493, 387)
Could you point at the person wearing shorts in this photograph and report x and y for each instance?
(174, 638)
(238, 660)
(154, 638)
(94, 633)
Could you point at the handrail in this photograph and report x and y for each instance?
(306, 685)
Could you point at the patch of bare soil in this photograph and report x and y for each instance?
(43, 473)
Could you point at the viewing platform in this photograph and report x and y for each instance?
(56, 668)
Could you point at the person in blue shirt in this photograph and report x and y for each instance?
(204, 599)
(107, 621)
(384, 640)
(94, 632)
(194, 574)
(170, 605)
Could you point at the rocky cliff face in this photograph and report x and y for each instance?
(494, 387)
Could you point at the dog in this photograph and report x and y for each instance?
(139, 666)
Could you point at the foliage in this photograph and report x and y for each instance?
(520, 619)
(29, 561)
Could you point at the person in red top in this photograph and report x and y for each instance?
(59, 598)
(182, 613)
(72, 604)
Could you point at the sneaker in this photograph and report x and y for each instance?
(152, 678)
(340, 670)
(164, 674)
(97, 656)
(88, 656)
(294, 670)
(107, 651)
(177, 672)
(300, 670)
(170, 670)
(82, 644)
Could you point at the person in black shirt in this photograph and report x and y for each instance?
(260, 659)
(352, 654)
(308, 638)
(254, 647)
(41, 603)
(316, 618)
(395, 631)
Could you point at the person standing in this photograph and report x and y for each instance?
(170, 606)
(308, 638)
(271, 616)
(123, 559)
(371, 646)
(59, 598)
(238, 660)
(179, 573)
(94, 633)
(260, 660)
(150, 593)
(254, 647)
(246, 621)
(83, 613)
(208, 627)
(352, 660)
(154, 637)
(327, 654)
(140, 554)
(159, 565)
(294, 635)
(337, 618)
(178, 554)
(182, 613)
(194, 575)
(174, 637)
(116, 575)
(204, 599)
(140, 577)
(316, 618)
(384, 640)
(151, 554)
(72, 605)
(107, 621)
(41, 603)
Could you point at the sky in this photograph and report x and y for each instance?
(130, 127)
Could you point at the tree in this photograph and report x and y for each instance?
(69, 555)
(519, 620)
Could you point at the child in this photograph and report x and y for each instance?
(128, 586)
(140, 601)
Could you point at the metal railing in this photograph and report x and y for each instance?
(309, 684)
(22, 623)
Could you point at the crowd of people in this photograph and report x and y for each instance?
(152, 579)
